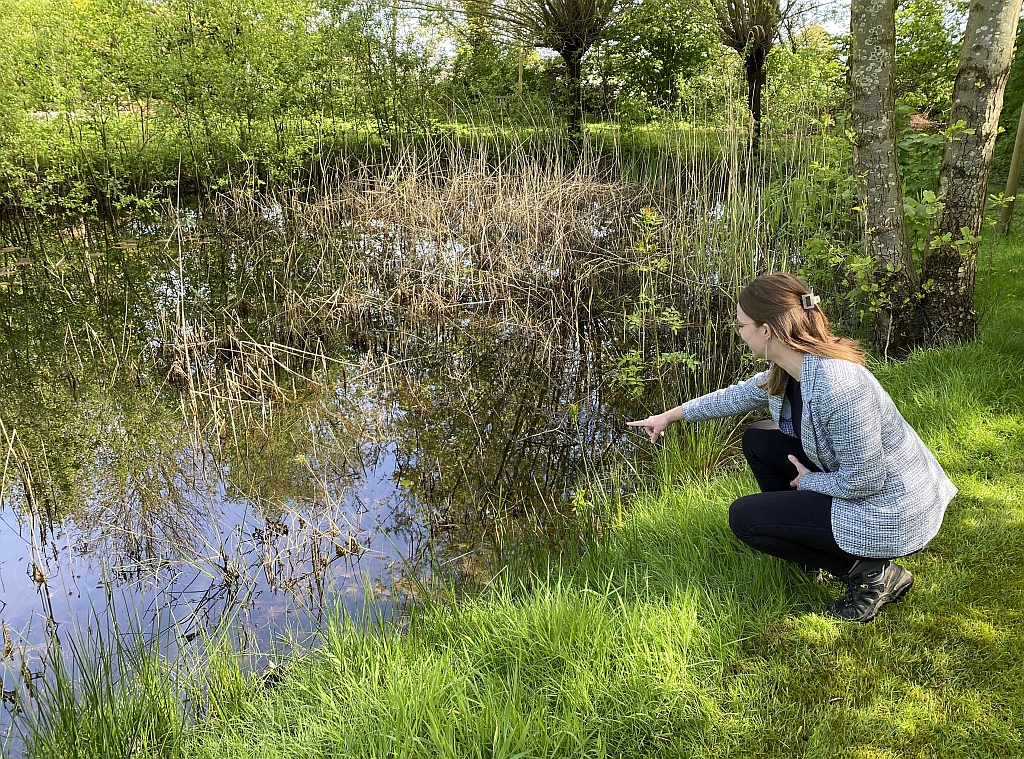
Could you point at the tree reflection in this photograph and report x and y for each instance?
(212, 420)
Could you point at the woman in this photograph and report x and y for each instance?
(846, 484)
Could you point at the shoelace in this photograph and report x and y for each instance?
(851, 591)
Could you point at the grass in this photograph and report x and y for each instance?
(666, 637)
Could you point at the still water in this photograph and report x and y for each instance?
(205, 421)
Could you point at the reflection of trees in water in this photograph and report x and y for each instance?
(210, 522)
(490, 429)
(163, 396)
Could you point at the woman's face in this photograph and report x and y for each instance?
(753, 334)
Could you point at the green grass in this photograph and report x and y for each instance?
(667, 637)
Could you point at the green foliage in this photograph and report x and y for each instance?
(806, 79)
(109, 99)
(106, 695)
(484, 84)
(805, 82)
(928, 35)
(920, 150)
(647, 53)
(649, 312)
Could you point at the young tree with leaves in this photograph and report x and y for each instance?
(652, 47)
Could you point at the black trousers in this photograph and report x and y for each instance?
(792, 524)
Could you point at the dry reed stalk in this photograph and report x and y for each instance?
(512, 236)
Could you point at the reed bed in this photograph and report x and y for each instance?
(537, 238)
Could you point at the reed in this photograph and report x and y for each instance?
(518, 234)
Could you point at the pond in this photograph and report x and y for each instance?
(241, 416)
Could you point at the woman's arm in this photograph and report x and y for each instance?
(729, 401)
(740, 398)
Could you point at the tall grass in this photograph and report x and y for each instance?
(621, 652)
(105, 696)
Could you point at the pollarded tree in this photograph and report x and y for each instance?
(951, 257)
(751, 28)
(570, 28)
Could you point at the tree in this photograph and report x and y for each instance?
(485, 72)
(1013, 178)
(1007, 162)
(884, 234)
(751, 28)
(951, 255)
(652, 46)
(570, 28)
(1013, 100)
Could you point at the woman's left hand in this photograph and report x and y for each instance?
(801, 470)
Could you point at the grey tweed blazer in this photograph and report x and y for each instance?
(889, 493)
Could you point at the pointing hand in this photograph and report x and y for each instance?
(654, 426)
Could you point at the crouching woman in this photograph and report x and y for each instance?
(846, 484)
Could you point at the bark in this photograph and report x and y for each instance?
(574, 84)
(755, 87)
(884, 232)
(951, 258)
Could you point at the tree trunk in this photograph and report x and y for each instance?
(574, 85)
(755, 88)
(884, 233)
(951, 257)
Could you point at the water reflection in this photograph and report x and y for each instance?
(214, 424)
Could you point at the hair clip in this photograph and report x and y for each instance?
(809, 301)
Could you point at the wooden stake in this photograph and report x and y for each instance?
(1013, 180)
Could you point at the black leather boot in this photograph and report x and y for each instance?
(871, 585)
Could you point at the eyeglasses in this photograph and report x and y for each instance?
(737, 326)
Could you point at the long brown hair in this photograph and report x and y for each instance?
(775, 300)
